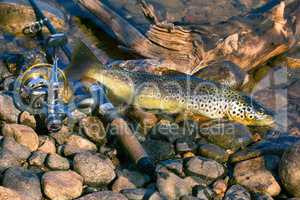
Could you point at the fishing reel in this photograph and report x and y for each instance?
(42, 89)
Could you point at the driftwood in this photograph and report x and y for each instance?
(246, 41)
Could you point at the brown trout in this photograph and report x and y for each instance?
(187, 95)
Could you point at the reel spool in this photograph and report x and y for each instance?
(32, 86)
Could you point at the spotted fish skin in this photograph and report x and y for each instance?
(182, 94)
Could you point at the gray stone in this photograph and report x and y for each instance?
(189, 197)
(261, 196)
(95, 171)
(227, 135)
(25, 182)
(255, 176)
(175, 166)
(8, 111)
(94, 129)
(62, 135)
(185, 145)
(156, 196)
(172, 186)
(22, 134)
(159, 150)
(214, 152)
(76, 144)
(237, 192)
(134, 194)
(204, 193)
(37, 158)
(203, 167)
(103, 195)
(57, 162)
(12, 154)
(289, 170)
(62, 185)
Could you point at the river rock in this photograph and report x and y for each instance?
(27, 119)
(202, 192)
(135, 194)
(237, 192)
(62, 135)
(122, 183)
(213, 151)
(62, 185)
(77, 144)
(37, 158)
(23, 135)
(94, 129)
(255, 175)
(156, 196)
(185, 144)
(8, 111)
(172, 186)
(261, 196)
(289, 170)
(175, 166)
(224, 72)
(228, 135)
(24, 181)
(220, 187)
(204, 167)
(12, 154)
(8, 194)
(47, 144)
(95, 171)
(57, 162)
(159, 150)
(103, 195)
(167, 131)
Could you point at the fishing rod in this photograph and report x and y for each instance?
(42, 20)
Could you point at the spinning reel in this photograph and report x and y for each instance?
(43, 88)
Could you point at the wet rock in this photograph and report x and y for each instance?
(261, 196)
(62, 136)
(95, 171)
(273, 145)
(225, 73)
(57, 162)
(227, 135)
(12, 154)
(185, 145)
(23, 135)
(103, 195)
(27, 119)
(189, 197)
(135, 194)
(220, 187)
(130, 179)
(203, 167)
(237, 192)
(175, 166)
(289, 170)
(47, 145)
(94, 129)
(156, 196)
(8, 111)
(64, 185)
(214, 152)
(159, 150)
(8, 194)
(167, 131)
(37, 158)
(77, 144)
(122, 183)
(202, 192)
(172, 186)
(255, 175)
(25, 182)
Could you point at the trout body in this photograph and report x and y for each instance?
(191, 96)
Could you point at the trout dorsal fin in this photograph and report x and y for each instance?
(83, 60)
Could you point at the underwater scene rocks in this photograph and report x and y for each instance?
(213, 160)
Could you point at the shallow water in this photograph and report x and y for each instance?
(274, 84)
